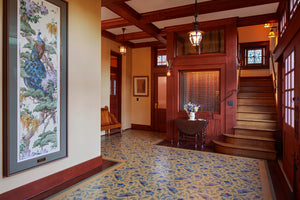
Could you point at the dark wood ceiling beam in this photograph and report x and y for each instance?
(203, 8)
(133, 17)
(113, 37)
(259, 19)
(149, 44)
(114, 23)
(109, 2)
(133, 36)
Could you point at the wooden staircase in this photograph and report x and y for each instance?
(256, 121)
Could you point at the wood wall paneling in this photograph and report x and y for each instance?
(226, 63)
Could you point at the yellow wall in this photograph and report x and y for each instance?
(84, 89)
(141, 66)
(257, 33)
(106, 47)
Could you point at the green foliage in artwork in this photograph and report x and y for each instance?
(24, 54)
(22, 146)
(33, 93)
(25, 111)
(26, 28)
(28, 46)
(46, 138)
(50, 49)
(46, 104)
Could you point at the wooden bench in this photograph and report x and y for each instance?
(109, 121)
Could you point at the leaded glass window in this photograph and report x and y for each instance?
(255, 56)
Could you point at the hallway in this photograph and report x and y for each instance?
(149, 171)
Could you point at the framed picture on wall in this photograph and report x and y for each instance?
(140, 86)
(35, 83)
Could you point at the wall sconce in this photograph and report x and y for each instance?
(267, 25)
(272, 33)
(169, 66)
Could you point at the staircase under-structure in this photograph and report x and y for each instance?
(256, 121)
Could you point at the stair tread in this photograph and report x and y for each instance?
(257, 112)
(256, 120)
(267, 98)
(243, 147)
(255, 129)
(247, 104)
(250, 137)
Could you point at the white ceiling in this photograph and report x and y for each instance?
(142, 6)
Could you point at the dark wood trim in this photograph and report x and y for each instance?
(133, 17)
(141, 127)
(293, 27)
(54, 183)
(259, 19)
(133, 36)
(252, 45)
(114, 23)
(203, 8)
(113, 38)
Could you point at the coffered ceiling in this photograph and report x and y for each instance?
(146, 20)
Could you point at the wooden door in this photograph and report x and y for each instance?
(115, 85)
(160, 102)
(290, 122)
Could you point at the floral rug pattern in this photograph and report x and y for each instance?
(149, 171)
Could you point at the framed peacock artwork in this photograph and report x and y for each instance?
(35, 83)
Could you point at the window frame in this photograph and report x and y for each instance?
(289, 89)
(245, 47)
(200, 70)
(161, 52)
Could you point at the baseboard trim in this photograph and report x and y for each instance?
(141, 127)
(55, 183)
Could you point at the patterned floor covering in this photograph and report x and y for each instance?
(149, 171)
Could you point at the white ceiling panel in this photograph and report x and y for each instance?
(242, 12)
(128, 29)
(144, 40)
(143, 6)
(108, 14)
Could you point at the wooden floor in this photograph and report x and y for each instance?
(280, 186)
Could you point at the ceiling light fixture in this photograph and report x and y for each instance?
(267, 25)
(122, 47)
(195, 35)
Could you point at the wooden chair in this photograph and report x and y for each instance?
(109, 121)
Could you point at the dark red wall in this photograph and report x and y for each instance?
(225, 63)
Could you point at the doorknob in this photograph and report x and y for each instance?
(155, 105)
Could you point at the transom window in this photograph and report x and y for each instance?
(282, 23)
(289, 90)
(162, 60)
(293, 6)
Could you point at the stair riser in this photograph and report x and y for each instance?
(256, 83)
(256, 133)
(255, 94)
(256, 89)
(251, 143)
(256, 109)
(247, 153)
(251, 124)
(256, 101)
(259, 116)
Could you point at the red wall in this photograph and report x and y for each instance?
(226, 64)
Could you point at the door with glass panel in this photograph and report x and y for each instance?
(290, 126)
(160, 105)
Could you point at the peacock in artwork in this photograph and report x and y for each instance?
(34, 68)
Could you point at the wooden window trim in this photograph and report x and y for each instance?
(244, 47)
